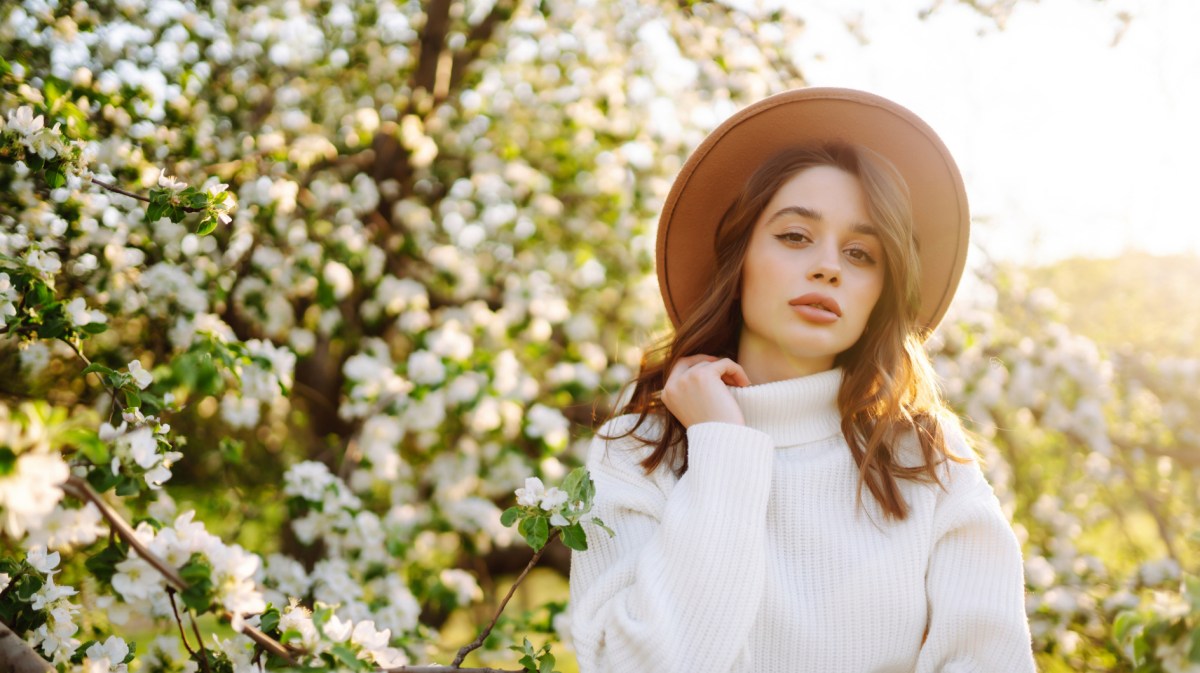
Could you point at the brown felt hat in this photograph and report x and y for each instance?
(718, 170)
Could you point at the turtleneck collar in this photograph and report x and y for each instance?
(793, 411)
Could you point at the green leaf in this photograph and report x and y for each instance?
(1194, 652)
(55, 178)
(132, 399)
(102, 478)
(8, 461)
(89, 444)
(600, 524)
(574, 537)
(198, 575)
(154, 523)
(510, 516)
(269, 622)
(128, 486)
(537, 532)
(579, 487)
(97, 367)
(207, 225)
(1123, 623)
(28, 585)
(5, 67)
(154, 212)
(232, 450)
(193, 198)
(547, 664)
(1140, 648)
(347, 657)
(103, 564)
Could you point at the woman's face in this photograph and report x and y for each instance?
(813, 271)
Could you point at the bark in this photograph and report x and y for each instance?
(17, 656)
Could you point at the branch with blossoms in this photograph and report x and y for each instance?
(537, 508)
(28, 144)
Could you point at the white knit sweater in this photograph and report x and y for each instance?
(759, 559)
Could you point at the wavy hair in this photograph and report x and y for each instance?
(888, 387)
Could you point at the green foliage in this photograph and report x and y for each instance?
(536, 524)
(535, 661)
(103, 564)
(197, 573)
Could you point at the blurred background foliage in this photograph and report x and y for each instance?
(442, 256)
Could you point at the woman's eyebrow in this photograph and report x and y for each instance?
(802, 211)
(807, 213)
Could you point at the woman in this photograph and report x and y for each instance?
(787, 491)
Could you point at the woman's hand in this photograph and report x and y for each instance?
(695, 391)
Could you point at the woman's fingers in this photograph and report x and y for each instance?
(695, 391)
(731, 372)
(686, 363)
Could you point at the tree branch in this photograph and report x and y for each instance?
(444, 670)
(139, 197)
(478, 642)
(17, 656)
(433, 43)
(481, 33)
(77, 488)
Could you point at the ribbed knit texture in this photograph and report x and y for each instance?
(760, 559)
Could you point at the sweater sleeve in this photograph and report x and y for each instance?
(679, 585)
(975, 585)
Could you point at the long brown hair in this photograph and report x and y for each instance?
(888, 387)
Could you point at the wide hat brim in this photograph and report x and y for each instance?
(717, 171)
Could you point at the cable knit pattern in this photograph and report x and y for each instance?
(760, 559)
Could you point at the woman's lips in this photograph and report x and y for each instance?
(817, 307)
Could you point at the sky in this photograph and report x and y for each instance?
(1076, 136)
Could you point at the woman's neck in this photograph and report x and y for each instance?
(766, 363)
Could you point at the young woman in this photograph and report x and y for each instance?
(787, 491)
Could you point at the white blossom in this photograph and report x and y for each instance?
(141, 377)
(169, 182)
(533, 492)
(337, 630)
(30, 492)
(41, 561)
(114, 650)
(79, 314)
(426, 368)
(45, 262)
(553, 498)
(463, 584)
(22, 121)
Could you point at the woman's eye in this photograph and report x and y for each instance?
(792, 237)
(860, 255)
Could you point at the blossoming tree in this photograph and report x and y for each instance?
(388, 260)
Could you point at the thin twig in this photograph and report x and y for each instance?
(139, 197)
(88, 363)
(478, 642)
(200, 644)
(444, 670)
(182, 634)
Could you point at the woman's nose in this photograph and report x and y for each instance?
(826, 268)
